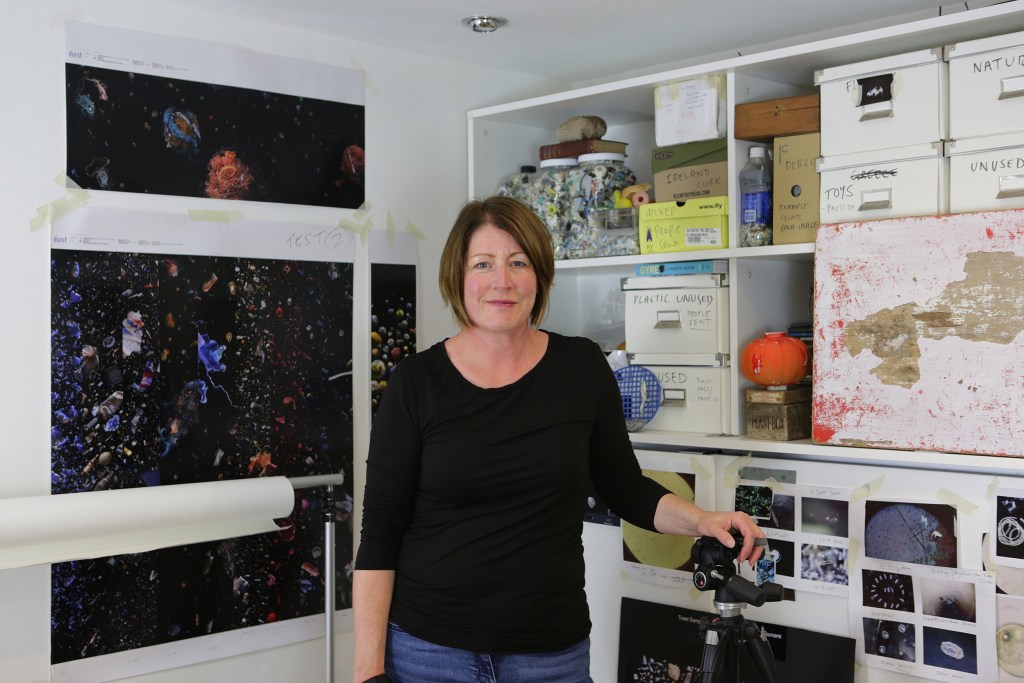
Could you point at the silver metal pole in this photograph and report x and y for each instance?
(329, 581)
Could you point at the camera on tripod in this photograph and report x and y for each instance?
(715, 569)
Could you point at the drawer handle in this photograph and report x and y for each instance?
(667, 319)
(673, 397)
(875, 199)
(876, 110)
(1010, 186)
(1011, 86)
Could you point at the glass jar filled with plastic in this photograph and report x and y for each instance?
(551, 199)
(595, 186)
(519, 185)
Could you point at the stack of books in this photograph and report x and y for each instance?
(805, 333)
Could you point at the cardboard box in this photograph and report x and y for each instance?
(695, 398)
(986, 173)
(779, 421)
(691, 171)
(686, 111)
(795, 200)
(677, 319)
(763, 121)
(684, 226)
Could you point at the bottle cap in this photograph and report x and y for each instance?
(756, 152)
(528, 169)
(602, 156)
(566, 161)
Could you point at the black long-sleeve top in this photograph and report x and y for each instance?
(475, 496)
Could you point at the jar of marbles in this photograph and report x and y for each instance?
(519, 185)
(594, 186)
(551, 199)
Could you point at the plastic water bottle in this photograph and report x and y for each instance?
(756, 200)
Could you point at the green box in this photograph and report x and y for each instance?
(690, 225)
(695, 170)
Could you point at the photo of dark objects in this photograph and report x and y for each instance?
(887, 590)
(657, 642)
(392, 323)
(950, 650)
(825, 517)
(782, 515)
(949, 599)
(781, 556)
(892, 639)
(178, 369)
(129, 132)
(920, 533)
(824, 563)
(756, 501)
(596, 511)
(1009, 527)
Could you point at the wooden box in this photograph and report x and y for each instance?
(779, 421)
(763, 121)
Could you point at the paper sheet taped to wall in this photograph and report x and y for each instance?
(58, 528)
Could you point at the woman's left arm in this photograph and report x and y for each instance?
(677, 516)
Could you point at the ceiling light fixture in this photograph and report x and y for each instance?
(485, 24)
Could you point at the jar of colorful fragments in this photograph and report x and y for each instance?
(551, 199)
(593, 187)
(519, 185)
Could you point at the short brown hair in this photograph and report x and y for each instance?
(518, 220)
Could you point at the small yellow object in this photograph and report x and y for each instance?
(621, 200)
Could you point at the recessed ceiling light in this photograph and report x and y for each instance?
(485, 24)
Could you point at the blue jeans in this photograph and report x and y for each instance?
(409, 659)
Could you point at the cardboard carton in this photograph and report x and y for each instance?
(796, 189)
(695, 170)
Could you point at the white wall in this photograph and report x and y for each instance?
(416, 142)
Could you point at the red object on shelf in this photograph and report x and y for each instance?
(776, 359)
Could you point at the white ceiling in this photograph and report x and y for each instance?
(583, 41)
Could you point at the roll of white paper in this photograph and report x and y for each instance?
(72, 526)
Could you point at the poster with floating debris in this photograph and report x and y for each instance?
(190, 351)
(917, 339)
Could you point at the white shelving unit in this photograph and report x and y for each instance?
(770, 287)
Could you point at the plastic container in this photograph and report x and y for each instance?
(756, 200)
(593, 186)
(519, 185)
(551, 199)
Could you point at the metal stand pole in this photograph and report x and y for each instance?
(329, 580)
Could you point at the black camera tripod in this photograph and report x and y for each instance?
(723, 635)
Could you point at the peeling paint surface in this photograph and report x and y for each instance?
(919, 333)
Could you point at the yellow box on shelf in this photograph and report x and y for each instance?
(684, 226)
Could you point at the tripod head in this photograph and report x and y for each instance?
(715, 569)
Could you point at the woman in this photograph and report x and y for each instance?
(470, 565)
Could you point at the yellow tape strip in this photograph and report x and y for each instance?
(731, 473)
(699, 469)
(867, 490)
(215, 216)
(390, 231)
(959, 502)
(370, 87)
(57, 209)
(852, 553)
(414, 231)
(990, 494)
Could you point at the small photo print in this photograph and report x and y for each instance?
(950, 650)
(949, 599)
(1010, 527)
(892, 639)
(888, 590)
(782, 515)
(825, 517)
(756, 501)
(824, 563)
(781, 555)
(919, 533)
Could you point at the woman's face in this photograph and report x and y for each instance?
(500, 284)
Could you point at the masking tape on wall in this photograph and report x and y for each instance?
(852, 553)
(962, 505)
(731, 473)
(370, 87)
(867, 490)
(213, 216)
(58, 208)
(990, 494)
(699, 469)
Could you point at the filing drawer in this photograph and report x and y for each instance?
(986, 86)
(913, 181)
(695, 398)
(986, 173)
(683, 315)
(883, 103)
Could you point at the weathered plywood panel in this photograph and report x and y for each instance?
(918, 338)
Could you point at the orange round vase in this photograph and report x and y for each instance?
(776, 359)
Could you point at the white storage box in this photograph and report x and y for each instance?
(695, 398)
(684, 316)
(986, 86)
(892, 102)
(908, 181)
(986, 173)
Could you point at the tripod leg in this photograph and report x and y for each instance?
(760, 652)
(716, 646)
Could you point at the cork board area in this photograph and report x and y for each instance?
(918, 338)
